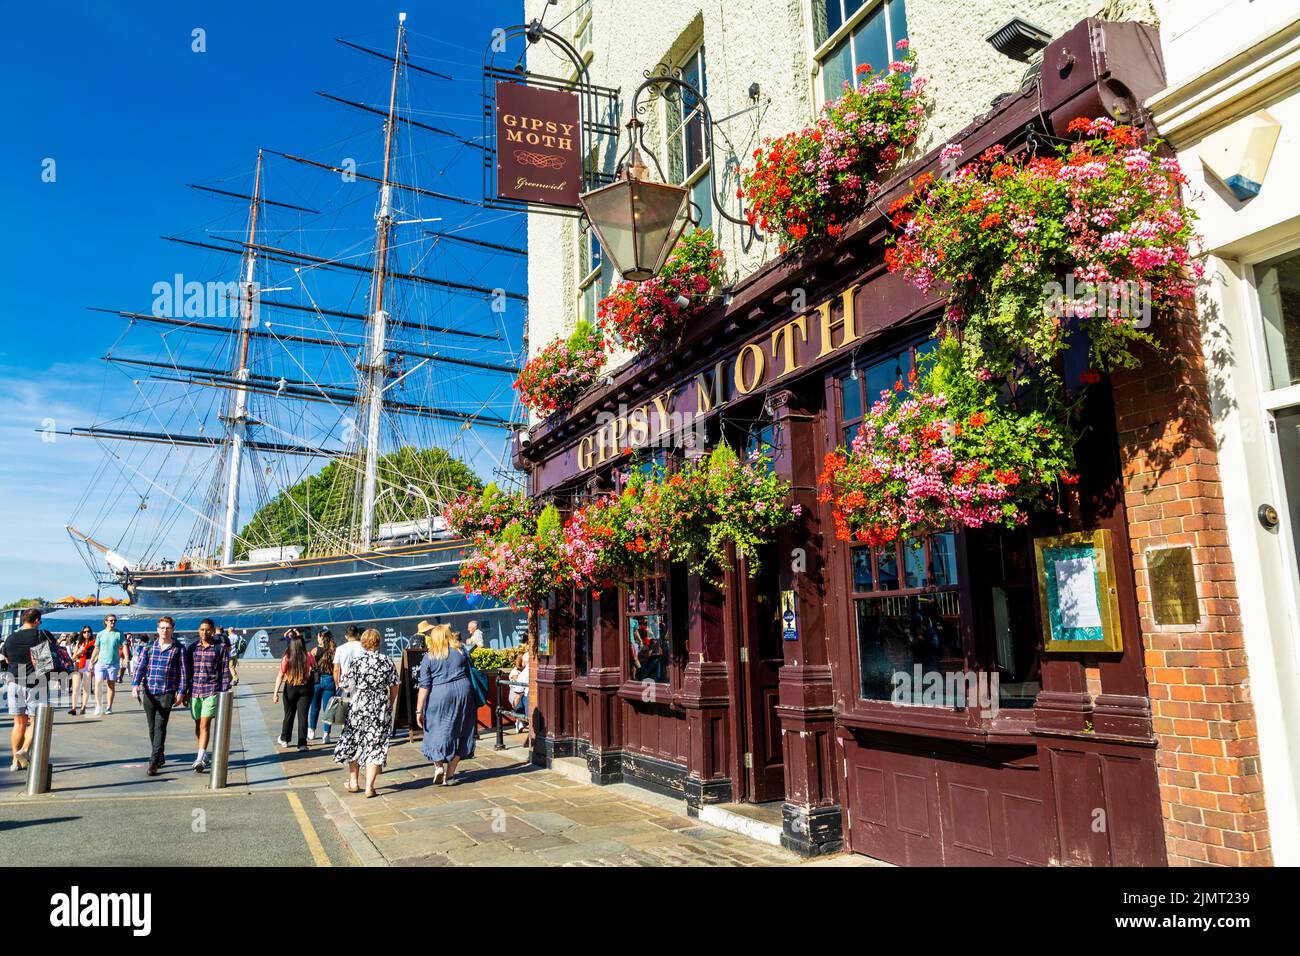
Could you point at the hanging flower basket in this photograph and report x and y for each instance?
(807, 184)
(616, 538)
(471, 515)
(1033, 248)
(643, 315)
(521, 565)
(563, 370)
(941, 450)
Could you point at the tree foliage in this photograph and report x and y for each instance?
(324, 506)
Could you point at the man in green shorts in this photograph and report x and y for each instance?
(207, 661)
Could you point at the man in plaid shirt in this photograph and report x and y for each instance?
(208, 662)
(163, 677)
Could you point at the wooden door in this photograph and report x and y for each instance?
(759, 668)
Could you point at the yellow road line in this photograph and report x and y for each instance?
(308, 831)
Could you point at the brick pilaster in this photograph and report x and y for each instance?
(1211, 788)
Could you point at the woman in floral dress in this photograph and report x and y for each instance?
(371, 687)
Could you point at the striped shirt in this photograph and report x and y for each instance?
(162, 669)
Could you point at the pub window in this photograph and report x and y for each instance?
(688, 160)
(860, 387)
(908, 607)
(849, 33)
(649, 632)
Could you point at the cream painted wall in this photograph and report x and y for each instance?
(768, 42)
(1198, 42)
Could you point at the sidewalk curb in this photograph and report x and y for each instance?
(351, 832)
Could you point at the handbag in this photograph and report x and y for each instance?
(336, 713)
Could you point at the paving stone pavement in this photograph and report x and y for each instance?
(502, 812)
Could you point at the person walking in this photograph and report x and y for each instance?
(110, 652)
(345, 655)
(27, 685)
(323, 690)
(237, 645)
(207, 661)
(371, 682)
(161, 681)
(83, 673)
(445, 707)
(295, 679)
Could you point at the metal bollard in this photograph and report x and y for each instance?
(221, 745)
(40, 770)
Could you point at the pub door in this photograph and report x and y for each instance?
(761, 657)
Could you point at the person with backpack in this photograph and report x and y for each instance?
(30, 656)
(322, 657)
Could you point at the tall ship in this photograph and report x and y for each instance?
(299, 420)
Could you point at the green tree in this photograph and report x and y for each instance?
(322, 508)
(25, 602)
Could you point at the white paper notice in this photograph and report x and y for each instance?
(1076, 592)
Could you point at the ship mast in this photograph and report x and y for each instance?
(237, 421)
(376, 362)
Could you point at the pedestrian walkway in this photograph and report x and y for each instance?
(503, 812)
(285, 807)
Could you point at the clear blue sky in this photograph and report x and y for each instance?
(114, 94)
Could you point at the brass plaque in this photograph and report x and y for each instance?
(1173, 586)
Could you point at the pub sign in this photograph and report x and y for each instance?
(539, 158)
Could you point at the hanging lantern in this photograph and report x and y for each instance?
(637, 220)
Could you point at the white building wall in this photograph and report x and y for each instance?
(1225, 61)
(769, 42)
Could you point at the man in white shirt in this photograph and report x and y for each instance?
(344, 655)
(474, 637)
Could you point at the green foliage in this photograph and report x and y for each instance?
(297, 514)
(25, 602)
(491, 659)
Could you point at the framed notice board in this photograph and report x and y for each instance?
(1076, 591)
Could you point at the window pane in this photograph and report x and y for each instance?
(676, 156)
(861, 569)
(943, 558)
(837, 67)
(914, 563)
(1279, 301)
(882, 376)
(826, 19)
(851, 390)
(870, 43)
(897, 24)
(648, 648)
(887, 569)
(700, 195)
(896, 634)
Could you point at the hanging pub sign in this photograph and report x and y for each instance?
(1076, 590)
(539, 158)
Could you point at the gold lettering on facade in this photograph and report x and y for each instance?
(661, 406)
(760, 368)
(638, 421)
(585, 452)
(783, 339)
(847, 319)
(708, 393)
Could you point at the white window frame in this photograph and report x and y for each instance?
(1273, 400)
(821, 51)
(668, 115)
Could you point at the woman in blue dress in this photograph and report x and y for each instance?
(445, 708)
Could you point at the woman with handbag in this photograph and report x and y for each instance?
(296, 679)
(322, 656)
(83, 674)
(445, 707)
(371, 682)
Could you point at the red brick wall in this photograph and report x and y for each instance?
(1211, 789)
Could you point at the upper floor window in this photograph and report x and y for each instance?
(850, 33)
(688, 159)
